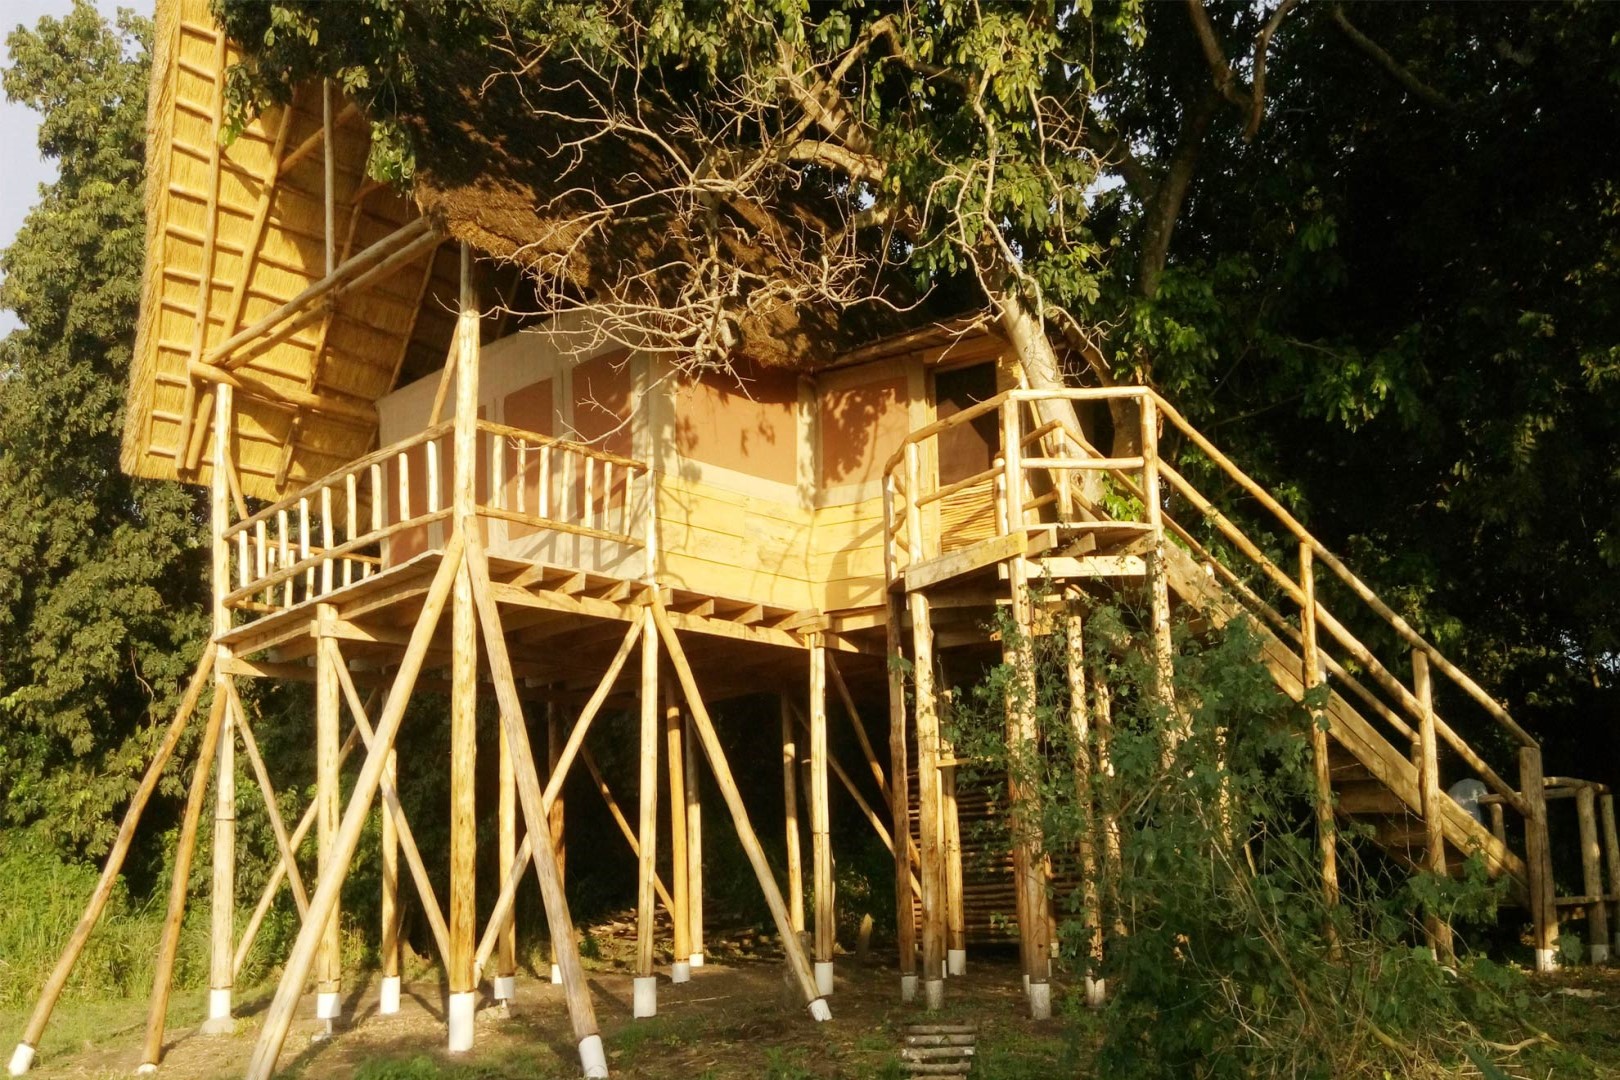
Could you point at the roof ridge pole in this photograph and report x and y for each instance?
(463, 912)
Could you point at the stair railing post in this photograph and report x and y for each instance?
(1012, 462)
(1597, 912)
(1310, 678)
(1434, 832)
(1158, 583)
(1538, 859)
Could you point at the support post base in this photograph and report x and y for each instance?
(1600, 953)
(505, 988)
(22, 1059)
(819, 1012)
(592, 1058)
(933, 994)
(908, 989)
(1040, 1001)
(697, 959)
(463, 1011)
(956, 962)
(388, 996)
(1096, 992)
(1546, 961)
(680, 971)
(556, 976)
(824, 977)
(645, 997)
(328, 1005)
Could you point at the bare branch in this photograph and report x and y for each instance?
(1392, 67)
(1262, 42)
(1226, 81)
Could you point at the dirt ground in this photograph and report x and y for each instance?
(733, 1020)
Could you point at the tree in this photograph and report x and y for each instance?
(101, 577)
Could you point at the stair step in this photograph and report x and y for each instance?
(1367, 797)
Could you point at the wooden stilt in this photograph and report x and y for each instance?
(328, 718)
(1538, 860)
(1597, 913)
(506, 960)
(163, 971)
(463, 912)
(1107, 813)
(222, 922)
(1428, 765)
(581, 1013)
(820, 821)
(928, 803)
(556, 813)
(389, 935)
(900, 806)
(1085, 810)
(1023, 792)
(681, 969)
(23, 1055)
(1310, 678)
(790, 816)
(1158, 580)
(647, 831)
(955, 909)
(797, 960)
(860, 728)
(694, 843)
(272, 808)
(299, 962)
(1611, 856)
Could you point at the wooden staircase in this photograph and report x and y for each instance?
(1385, 741)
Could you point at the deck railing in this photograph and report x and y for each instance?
(1041, 455)
(385, 507)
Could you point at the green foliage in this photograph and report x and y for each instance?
(1223, 956)
(100, 576)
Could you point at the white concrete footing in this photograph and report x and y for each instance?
(592, 1058)
(824, 977)
(696, 960)
(1026, 984)
(1040, 1001)
(819, 1012)
(956, 962)
(504, 988)
(22, 1059)
(908, 989)
(1096, 992)
(933, 994)
(556, 978)
(219, 1020)
(388, 996)
(645, 997)
(1546, 961)
(1600, 954)
(145, 1068)
(328, 1005)
(463, 1012)
(680, 971)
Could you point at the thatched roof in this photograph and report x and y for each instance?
(484, 176)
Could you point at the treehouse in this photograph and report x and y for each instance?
(415, 486)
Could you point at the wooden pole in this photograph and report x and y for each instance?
(674, 731)
(556, 815)
(1104, 798)
(694, 844)
(505, 988)
(389, 993)
(1023, 792)
(1310, 678)
(797, 960)
(646, 986)
(222, 921)
(279, 1016)
(820, 821)
(22, 1057)
(860, 728)
(1158, 577)
(905, 918)
(1439, 933)
(464, 683)
(1538, 860)
(1096, 990)
(928, 803)
(1597, 913)
(581, 1013)
(179, 884)
(790, 816)
(1611, 855)
(328, 796)
(272, 808)
(955, 909)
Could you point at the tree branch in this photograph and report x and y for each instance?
(1226, 82)
(1262, 42)
(1392, 67)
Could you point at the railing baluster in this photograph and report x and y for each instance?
(1430, 796)
(1311, 677)
(243, 572)
(543, 498)
(303, 545)
(914, 547)
(327, 541)
(351, 530)
(379, 493)
(432, 475)
(404, 460)
(607, 494)
(287, 586)
(262, 557)
(497, 471)
(589, 517)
